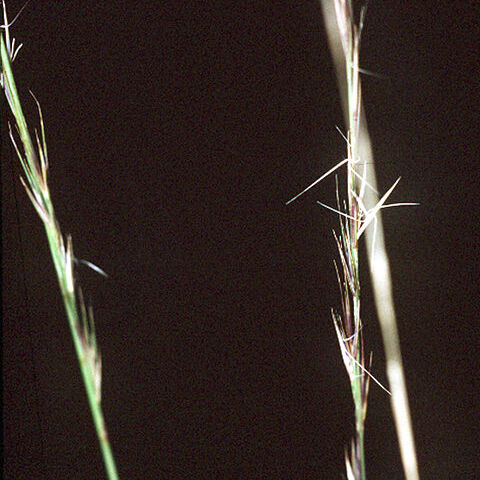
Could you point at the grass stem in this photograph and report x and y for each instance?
(34, 162)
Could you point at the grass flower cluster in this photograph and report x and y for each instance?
(34, 161)
(357, 212)
(364, 207)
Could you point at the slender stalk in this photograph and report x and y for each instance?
(80, 320)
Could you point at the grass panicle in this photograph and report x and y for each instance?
(344, 41)
(356, 213)
(33, 158)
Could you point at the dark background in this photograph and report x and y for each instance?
(176, 133)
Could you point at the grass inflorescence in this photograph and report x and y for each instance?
(359, 209)
(33, 158)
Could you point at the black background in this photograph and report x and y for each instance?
(176, 132)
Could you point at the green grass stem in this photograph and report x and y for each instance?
(34, 162)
